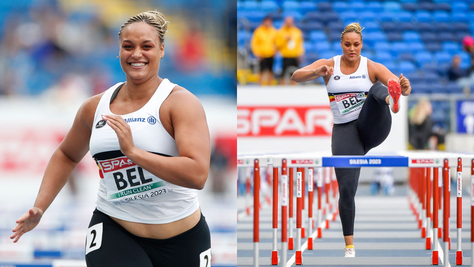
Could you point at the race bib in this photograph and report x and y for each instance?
(126, 181)
(350, 102)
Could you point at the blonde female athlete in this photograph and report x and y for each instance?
(359, 101)
(151, 142)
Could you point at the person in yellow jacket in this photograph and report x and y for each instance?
(289, 41)
(264, 48)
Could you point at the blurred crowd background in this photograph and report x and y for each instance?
(54, 54)
(429, 41)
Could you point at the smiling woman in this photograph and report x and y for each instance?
(150, 140)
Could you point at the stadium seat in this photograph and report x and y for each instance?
(411, 36)
(309, 48)
(307, 6)
(453, 88)
(428, 6)
(269, 6)
(423, 57)
(334, 36)
(394, 36)
(406, 56)
(412, 7)
(392, 6)
(460, 17)
(324, 7)
(459, 6)
(404, 16)
(322, 46)
(387, 16)
(335, 26)
(375, 7)
(349, 16)
(398, 47)
(372, 37)
(443, 6)
(317, 36)
(327, 17)
(446, 36)
(357, 6)
(441, 26)
(423, 16)
(406, 26)
(250, 5)
(291, 6)
(451, 47)
(441, 16)
(424, 27)
(340, 6)
(407, 67)
(382, 56)
(433, 47)
(389, 26)
(336, 47)
(420, 88)
(366, 17)
(437, 88)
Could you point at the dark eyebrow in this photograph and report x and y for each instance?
(146, 41)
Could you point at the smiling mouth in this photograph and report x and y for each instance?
(141, 64)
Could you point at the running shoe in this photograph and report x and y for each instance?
(395, 91)
(350, 253)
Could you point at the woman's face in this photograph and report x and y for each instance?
(351, 46)
(140, 52)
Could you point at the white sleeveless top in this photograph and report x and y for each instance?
(127, 191)
(347, 93)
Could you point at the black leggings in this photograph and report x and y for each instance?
(109, 244)
(357, 138)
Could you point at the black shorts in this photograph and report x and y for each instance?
(109, 244)
(290, 62)
(266, 63)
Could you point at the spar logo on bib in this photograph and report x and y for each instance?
(115, 164)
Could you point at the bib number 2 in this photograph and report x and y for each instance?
(205, 259)
(94, 237)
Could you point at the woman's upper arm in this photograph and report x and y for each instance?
(381, 73)
(190, 129)
(76, 143)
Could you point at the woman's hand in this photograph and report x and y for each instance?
(404, 84)
(26, 223)
(124, 134)
(324, 70)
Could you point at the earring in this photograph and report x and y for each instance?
(118, 56)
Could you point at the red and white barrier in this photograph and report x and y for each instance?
(284, 211)
(459, 212)
(310, 207)
(446, 210)
(319, 182)
(274, 257)
(299, 208)
(435, 255)
(428, 208)
(256, 208)
(290, 238)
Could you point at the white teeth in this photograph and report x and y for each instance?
(137, 64)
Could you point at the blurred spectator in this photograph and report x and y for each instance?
(383, 181)
(264, 48)
(423, 132)
(454, 71)
(191, 50)
(290, 44)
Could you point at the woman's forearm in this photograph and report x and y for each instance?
(304, 75)
(182, 171)
(55, 177)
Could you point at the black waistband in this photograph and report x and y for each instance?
(331, 94)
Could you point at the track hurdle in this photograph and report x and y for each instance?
(472, 212)
(256, 210)
(365, 161)
(459, 212)
(284, 211)
(429, 178)
(435, 255)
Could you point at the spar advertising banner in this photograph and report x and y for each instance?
(465, 116)
(279, 119)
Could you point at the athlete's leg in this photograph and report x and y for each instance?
(189, 249)
(374, 120)
(345, 141)
(109, 244)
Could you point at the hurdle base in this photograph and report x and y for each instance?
(440, 233)
(435, 258)
(428, 243)
(327, 224)
(302, 232)
(458, 257)
(320, 232)
(423, 232)
(419, 223)
(310, 243)
(290, 243)
(298, 258)
(274, 257)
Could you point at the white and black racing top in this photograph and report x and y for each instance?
(127, 191)
(347, 93)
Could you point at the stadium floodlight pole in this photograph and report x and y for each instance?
(299, 207)
(274, 258)
(435, 256)
(284, 212)
(429, 178)
(310, 207)
(319, 182)
(256, 207)
(291, 211)
(459, 212)
(472, 212)
(446, 210)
